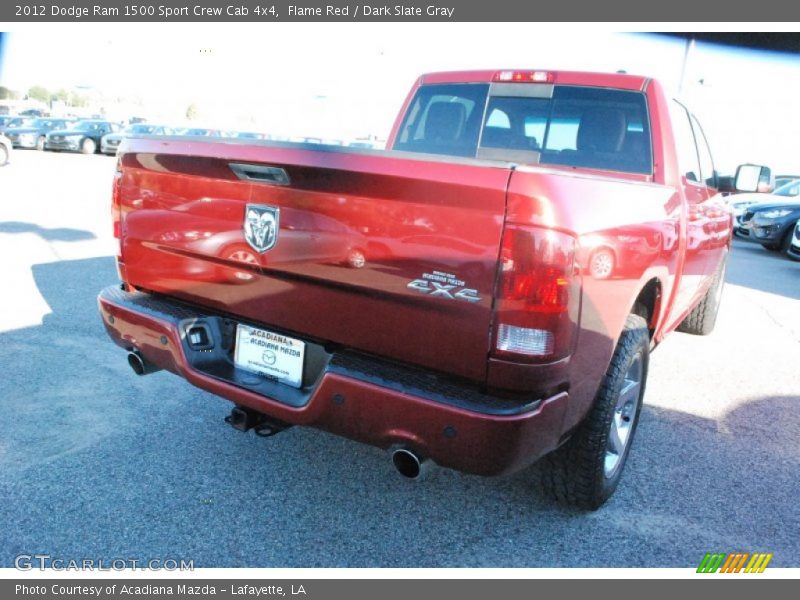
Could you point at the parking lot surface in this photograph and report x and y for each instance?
(97, 463)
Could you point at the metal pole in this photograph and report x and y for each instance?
(686, 52)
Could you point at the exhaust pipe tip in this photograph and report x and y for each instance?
(139, 365)
(136, 362)
(409, 464)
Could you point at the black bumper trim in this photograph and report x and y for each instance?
(414, 381)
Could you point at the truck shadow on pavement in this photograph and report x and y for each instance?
(56, 234)
(96, 462)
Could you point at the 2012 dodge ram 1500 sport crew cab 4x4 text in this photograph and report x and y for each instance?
(484, 293)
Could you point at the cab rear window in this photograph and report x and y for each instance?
(558, 125)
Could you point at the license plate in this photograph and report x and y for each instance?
(272, 354)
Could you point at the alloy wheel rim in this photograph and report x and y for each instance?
(601, 264)
(621, 428)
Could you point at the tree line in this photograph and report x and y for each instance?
(41, 93)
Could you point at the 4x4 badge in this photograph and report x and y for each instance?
(261, 226)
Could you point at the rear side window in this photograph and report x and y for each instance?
(444, 119)
(685, 146)
(578, 126)
(561, 125)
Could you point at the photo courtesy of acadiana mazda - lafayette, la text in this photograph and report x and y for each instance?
(484, 293)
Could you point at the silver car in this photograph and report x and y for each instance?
(111, 141)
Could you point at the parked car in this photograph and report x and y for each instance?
(794, 247)
(769, 221)
(34, 112)
(5, 150)
(34, 134)
(473, 340)
(111, 141)
(83, 136)
(248, 135)
(781, 180)
(739, 204)
(7, 123)
(772, 224)
(201, 132)
(366, 144)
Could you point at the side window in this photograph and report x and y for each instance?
(498, 119)
(444, 119)
(563, 133)
(792, 189)
(515, 123)
(535, 127)
(706, 162)
(688, 160)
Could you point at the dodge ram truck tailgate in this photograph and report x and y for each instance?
(389, 254)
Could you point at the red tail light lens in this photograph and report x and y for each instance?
(115, 200)
(538, 295)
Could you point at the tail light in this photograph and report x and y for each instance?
(538, 295)
(115, 200)
(116, 217)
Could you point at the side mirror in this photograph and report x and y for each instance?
(753, 178)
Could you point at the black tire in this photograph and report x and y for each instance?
(88, 146)
(788, 251)
(783, 245)
(703, 317)
(577, 473)
(786, 242)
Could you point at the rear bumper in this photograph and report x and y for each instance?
(23, 142)
(357, 397)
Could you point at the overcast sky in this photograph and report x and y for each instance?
(349, 79)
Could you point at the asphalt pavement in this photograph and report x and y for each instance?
(96, 463)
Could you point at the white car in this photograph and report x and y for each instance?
(794, 247)
(5, 150)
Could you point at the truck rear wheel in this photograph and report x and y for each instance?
(586, 470)
(703, 317)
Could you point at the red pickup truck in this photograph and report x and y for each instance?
(483, 293)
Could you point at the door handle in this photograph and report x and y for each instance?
(260, 173)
